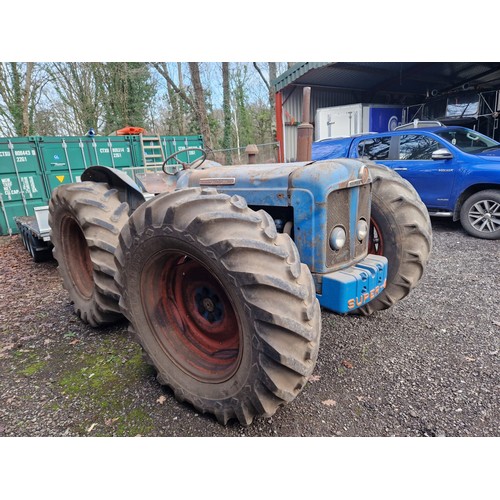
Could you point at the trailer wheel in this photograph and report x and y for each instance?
(401, 231)
(85, 220)
(38, 255)
(220, 303)
(23, 233)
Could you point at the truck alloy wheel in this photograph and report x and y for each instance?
(480, 214)
(85, 220)
(220, 303)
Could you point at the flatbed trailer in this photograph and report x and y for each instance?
(35, 233)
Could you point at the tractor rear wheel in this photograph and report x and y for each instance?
(220, 303)
(400, 230)
(85, 220)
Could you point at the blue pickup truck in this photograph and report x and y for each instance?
(455, 170)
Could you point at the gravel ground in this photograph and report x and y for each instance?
(426, 367)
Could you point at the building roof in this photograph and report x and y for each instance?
(413, 78)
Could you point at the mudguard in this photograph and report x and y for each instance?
(128, 190)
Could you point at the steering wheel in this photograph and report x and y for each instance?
(174, 169)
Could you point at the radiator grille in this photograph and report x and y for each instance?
(338, 215)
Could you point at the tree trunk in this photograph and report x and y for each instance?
(26, 99)
(272, 93)
(272, 97)
(16, 105)
(226, 144)
(201, 110)
(182, 123)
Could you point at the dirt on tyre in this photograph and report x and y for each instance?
(400, 230)
(85, 220)
(480, 214)
(220, 302)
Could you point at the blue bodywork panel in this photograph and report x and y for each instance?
(309, 190)
(258, 184)
(305, 186)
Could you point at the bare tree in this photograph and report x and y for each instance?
(21, 85)
(200, 107)
(177, 94)
(163, 70)
(271, 90)
(197, 104)
(78, 90)
(182, 122)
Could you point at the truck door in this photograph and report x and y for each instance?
(411, 157)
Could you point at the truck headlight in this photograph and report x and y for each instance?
(337, 238)
(361, 229)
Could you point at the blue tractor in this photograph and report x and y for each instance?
(221, 274)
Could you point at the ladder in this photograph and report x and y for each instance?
(152, 152)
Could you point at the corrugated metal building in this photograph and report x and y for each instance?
(401, 83)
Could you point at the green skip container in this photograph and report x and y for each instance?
(31, 167)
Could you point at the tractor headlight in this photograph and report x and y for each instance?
(361, 229)
(337, 238)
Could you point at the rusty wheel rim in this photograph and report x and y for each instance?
(375, 242)
(191, 316)
(77, 254)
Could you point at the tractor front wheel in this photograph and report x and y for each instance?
(400, 230)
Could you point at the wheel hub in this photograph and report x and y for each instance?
(208, 305)
(485, 216)
(194, 320)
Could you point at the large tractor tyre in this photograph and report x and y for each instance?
(220, 302)
(480, 214)
(400, 230)
(85, 220)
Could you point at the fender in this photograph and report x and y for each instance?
(128, 190)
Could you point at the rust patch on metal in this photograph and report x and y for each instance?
(156, 182)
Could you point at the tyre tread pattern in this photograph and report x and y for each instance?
(278, 292)
(101, 215)
(411, 221)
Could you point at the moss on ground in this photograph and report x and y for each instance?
(33, 368)
(31, 362)
(97, 378)
(100, 382)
